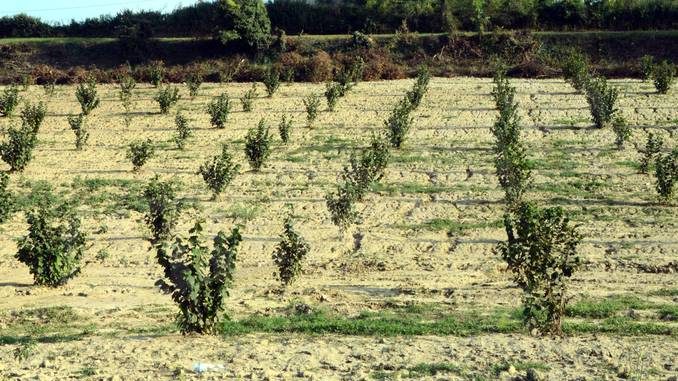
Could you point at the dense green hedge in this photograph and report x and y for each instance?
(384, 16)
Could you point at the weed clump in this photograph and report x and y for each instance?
(312, 105)
(399, 122)
(541, 254)
(167, 97)
(54, 246)
(601, 99)
(9, 100)
(289, 253)
(77, 124)
(219, 109)
(258, 145)
(248, 98)
(17, 150)
(86, 93)
(198, 278)
(139, 152)
(183, 130)
(666, 173)
(219, 171)
(284, 128)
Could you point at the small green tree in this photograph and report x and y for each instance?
(541, 254)
(9, 100)
(139, 152)
(197, 278)
(575, 68)
(157, 73)
(219, 171)
(622, 131)
(127, 85)
(502, 93)
(17, 150)
(271, 81)
(510, 158)
(6, 198)
(420, 87)
(77, 123)
(399, 122)
(601, 99)
(49, 86)
(663, 74)
(32, 116)
(163, 209)
(356, 179)
(284, 128)
(248, 98)
(653, 146)
(646, 67)
(333, 91)
(312, 105)
(86, 93)
(184, 131)
(167, 97)
(193, 82)
(341, 205)
(219, 109)
(258, 145)
(289, 253)
(54, 246)
(666, 173)
(349, 76)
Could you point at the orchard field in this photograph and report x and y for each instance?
(422, 294)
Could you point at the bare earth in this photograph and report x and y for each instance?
(630, 245)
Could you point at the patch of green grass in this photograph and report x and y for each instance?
(87, 371)
(664, 292)
(629, 164)
(455, 323)
(624, 326)
(668, 312)
(243, 211)
(600, 309)
(432, 369)
(43, 325)
(450, 226)
(409, 188)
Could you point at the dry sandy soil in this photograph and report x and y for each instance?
(429, 233)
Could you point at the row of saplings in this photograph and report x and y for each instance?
(197, 277)
(602, 98)
(18, 147)
(540, 241)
